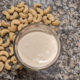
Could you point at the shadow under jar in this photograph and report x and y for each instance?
(37, 47)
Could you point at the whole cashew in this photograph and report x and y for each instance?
(4, 32)
(21, 4)
(12, 36)
(20, 27)
(23, 15)
(25, 9)
(40, 11)
(37, 6)
(1, 66)
(3, 58)
(1, 48)
(6, 44)
(50, 17)
(47, 10)
(37, 19)
(14, 16)
(19, 9)
(4, 53)
(12, 28)
(11, 50)
(11, 10)
(33, 12)
(7, 65)
(1, 40)
(23, 20)
(13, 59)
(56, 23)
(6, 14)
(4, 23)
(30, 17)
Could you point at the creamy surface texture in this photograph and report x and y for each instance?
(37, 49)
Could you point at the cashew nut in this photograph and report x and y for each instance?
(13, 59)
(1, 66)
(47, 10)
(19, 9)
(1, 40)
(3, 58)
(7, 65)
(12, 36)
(25, 9)
(11, 50)
(4, 32)
(12, 28)
(14, 16)
(23, 20)
(4, 23)
(40, 11)
(4, 53)
(37, 19)
(30, 17)
(23, 15)
(20, 27)
(37, 6)
(1, 48)
(56, 23)
(6, 44)
(11, 10)
(25, 24)
(50, 17)
(21, 4)
(33, 12)
(6, 14)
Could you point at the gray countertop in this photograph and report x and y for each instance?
(67, 66)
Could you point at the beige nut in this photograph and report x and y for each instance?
(4, 23)
(50, 17)
(6, 14)
(33, 12)
(21, 4)
(3, 58)
(37, 5)
(11, 50)
(11, 10)
(1, 40)
(12, 28)
(56, 23)
(4, 53)
(13, 59)
(23, 15)
(14, 16)
(1, 48)
(12, 36)
(47, 10)
(25, 24)
(4, 32)
(1, 66)
(6, 44)
(37, 19)
(25, 9)
(39, 11)
(20, 27)
(23, 20)
(7, 65)
(30, 17)
(19, 9)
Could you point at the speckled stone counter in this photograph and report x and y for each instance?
(67, 66)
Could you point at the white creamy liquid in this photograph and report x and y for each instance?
(37, 49)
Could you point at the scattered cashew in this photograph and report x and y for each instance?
(23, 15)
(23, 20)
(40, 11)
(11, 50)
(4, 23)
(33, 12)
(6, 44)
(20, 27)
(1, 66)
(1, 40)
(13, 28)
(30, 17)
(21, 4)
(7, 65)
(14, 16)
(13, 59)
(50, 17)
(37, 6)
(56, 23)
(19, 9)
(11, 10)
(4, 53)
(25, 9)
(12, 36)
(37, 19)
(47, 10)
(4, 32)
(6, 14)
(3, 58)
(1, 48)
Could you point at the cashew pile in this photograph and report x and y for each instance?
(19, 16)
